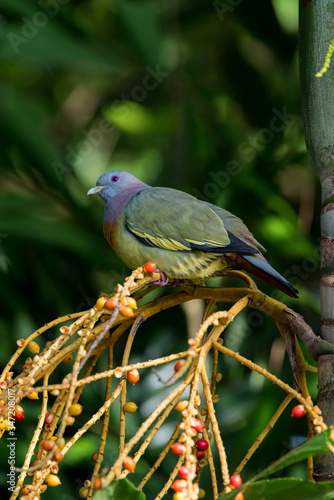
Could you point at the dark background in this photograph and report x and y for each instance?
(195, 95)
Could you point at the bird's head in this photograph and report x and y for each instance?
(111, 183)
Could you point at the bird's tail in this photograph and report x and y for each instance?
(258, 266)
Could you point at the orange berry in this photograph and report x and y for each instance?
(58, 456)
(18, 412)
(26, 489)
(131, 302)
(111, 304)
(133, 376)
(179, 485)
(239, 496)
(181, 405)
(178, 448)
(129, 464)
(97, 484)
(75, 409)
(126, 311)
(130, 407)
(34, 347)
(33, 395)
(150, 267)
(26, 366)
(52, 480)
(48, 444)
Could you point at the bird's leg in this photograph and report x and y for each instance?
(163, 279)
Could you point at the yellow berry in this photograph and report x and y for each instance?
(179, 496)
(83, 492)
(75, 409)
(68, 358)
(34, 347)
(131, 302)
(181, 405)
(100, 303)
(52, 480)
(130, 407)
(33, 395)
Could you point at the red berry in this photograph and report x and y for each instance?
(129, 464)
(18, 412)
(200, 454)
(178, 448)
(198, 426)
(48, 418)
(150, 267)
(178, 365)
(184, 471)
(298, 411)
(236, 481)
(202, 444)
(179, 485)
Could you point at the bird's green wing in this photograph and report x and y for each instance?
(173, 220)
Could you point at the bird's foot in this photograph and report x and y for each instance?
(177, 283)
(163, 278)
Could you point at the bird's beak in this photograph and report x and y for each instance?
(95, 190)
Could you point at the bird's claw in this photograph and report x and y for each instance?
(163, 279)
(177, 283)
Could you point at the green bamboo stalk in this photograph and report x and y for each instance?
(316, 24)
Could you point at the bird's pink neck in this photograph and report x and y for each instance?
(115, 207)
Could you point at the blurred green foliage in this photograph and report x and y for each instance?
(190, 95)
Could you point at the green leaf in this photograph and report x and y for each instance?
(287, 488)
(121, 488)
(314, 446)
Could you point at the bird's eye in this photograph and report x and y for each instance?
(114, 178)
